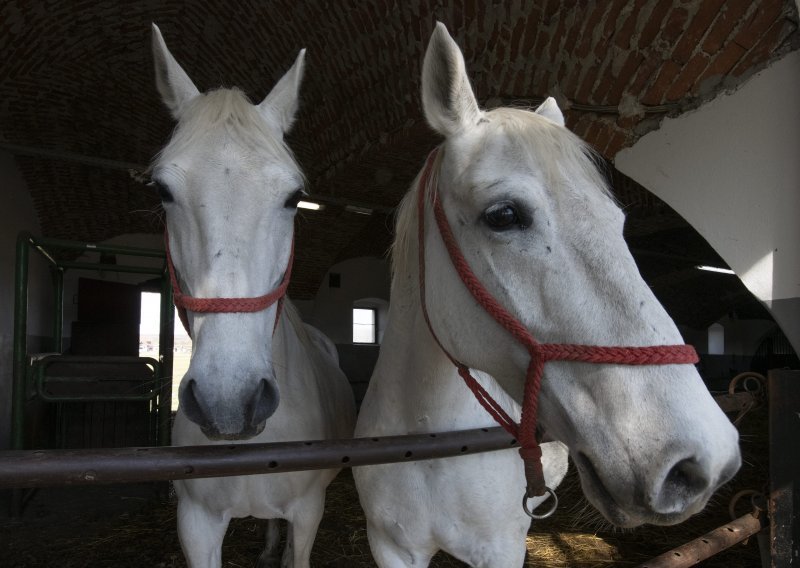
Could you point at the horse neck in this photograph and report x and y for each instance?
(418, 387)
(289, 338)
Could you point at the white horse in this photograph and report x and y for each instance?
(526, 205)
(230, 186)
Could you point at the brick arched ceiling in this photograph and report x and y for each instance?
(78, 106)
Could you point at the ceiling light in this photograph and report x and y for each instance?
(310, 205)
(715, 269)
(358, 210)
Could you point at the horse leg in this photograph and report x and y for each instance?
(201, 532)
(270, 556)
(301, 531)
(388, 552)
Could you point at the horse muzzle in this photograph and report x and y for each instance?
(235, 418)
(664, 495)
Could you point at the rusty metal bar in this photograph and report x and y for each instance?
(708, 545)
(784, 466)
(43, 468)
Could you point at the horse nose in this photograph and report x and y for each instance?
(192, 406)
(689, 482)
(229, 420)
(263, 404)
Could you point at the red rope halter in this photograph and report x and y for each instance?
(186, 303)
(540, 353)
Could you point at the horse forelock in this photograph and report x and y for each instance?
(560, 153)
(227, 109)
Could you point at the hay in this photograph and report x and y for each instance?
(147, 537)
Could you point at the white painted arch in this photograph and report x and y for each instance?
(732, 169)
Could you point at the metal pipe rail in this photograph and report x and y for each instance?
(45, 468)
(709, 544)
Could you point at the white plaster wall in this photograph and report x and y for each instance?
(17, 214)
(361, 278)
(732, 169)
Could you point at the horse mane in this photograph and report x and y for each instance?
(293, 317)
(231, 110)
(554, 148)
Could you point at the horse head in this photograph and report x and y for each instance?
(229, 187)
(540, 231)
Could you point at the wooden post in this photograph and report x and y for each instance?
(784, 467)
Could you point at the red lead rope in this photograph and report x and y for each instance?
(226, 305)
(540, 353)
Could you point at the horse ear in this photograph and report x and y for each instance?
(172, 82)
(549, 109)
(280, 105)
(447, 99)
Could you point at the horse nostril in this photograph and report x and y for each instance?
(685, 483)
(264, 402)
(191, 406)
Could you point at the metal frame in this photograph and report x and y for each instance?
(46, 247)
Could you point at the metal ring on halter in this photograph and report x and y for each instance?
(539, 516)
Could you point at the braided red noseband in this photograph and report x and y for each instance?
(226, 305)
(540, 353)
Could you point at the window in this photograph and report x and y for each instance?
(716, 339)
(364, 328)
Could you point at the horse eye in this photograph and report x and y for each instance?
(295, 198)
(163, 192)
(501, 216)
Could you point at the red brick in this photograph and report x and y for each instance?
(760, 52)
(617, 142)
(760, 21)
(516, 38)
(600, 136)
(655, 94)
(542, 38)
(585, 92)
(688, 77)
(551, 10)
(644, 74)
(576, 121)
(571, 81)
(627, 72)
(592, 20)
(628, 122)
(696, 30)
(653, 25)
(622, 38)
(609, 28)
(674, 25)
(726, 20)
(600, 95)
(611, 24)
(589, 130)
(555, 41)
(723, 62)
